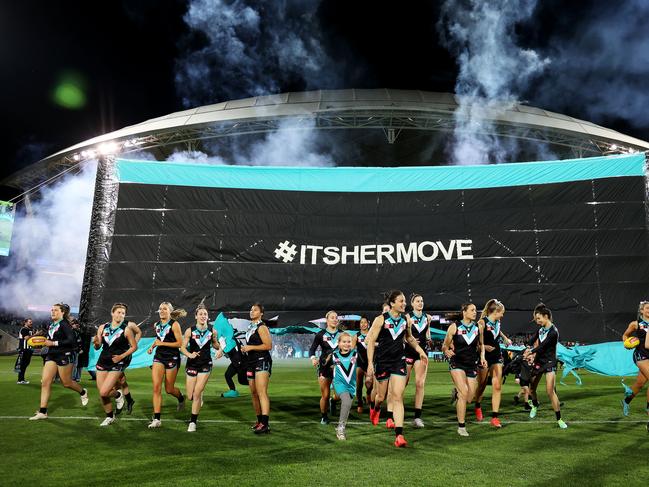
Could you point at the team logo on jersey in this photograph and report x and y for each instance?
(468, 333)
(110, 336)
(395, 329)
(643, 325)
(347, 371)
(361, 340)
(494, 328)
(53, 329)
(201, 338)
(332, 340)
(162, 331)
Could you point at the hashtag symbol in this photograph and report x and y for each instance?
(286, 251)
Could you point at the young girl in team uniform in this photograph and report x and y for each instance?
(361, 369)
(464, 349)
(169, 339)
(259, 366)
(198, 342)
(60, 344)
(490, 318)
(344, 360)
(544, 358)
(387, 337)
(117, 343)
(639, 329)
(421, 333)
(327, 341)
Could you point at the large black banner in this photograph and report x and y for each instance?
(579, 246)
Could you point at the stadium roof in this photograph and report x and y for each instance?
(390, 110)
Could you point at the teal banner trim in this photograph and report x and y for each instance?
(378, 179)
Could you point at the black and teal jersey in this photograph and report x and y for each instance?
(345, 371)
(548, 339)
(61, 332)
(254, 338)
(641, 333)
(419, 329)
(391, 340)
(466, 344)
(164, 333)
(361, 348)
(491, 333)
(114, 341)
(200, 341)
(328, 343)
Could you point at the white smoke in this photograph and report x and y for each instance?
(493, 70)
(600, 65)
(250, 48)
(293, 143)
(48, 249)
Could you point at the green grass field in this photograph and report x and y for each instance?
(600, 447)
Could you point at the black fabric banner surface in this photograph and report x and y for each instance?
(580, 247)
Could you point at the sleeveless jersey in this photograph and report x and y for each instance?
(201, 342)
(419, 329)
(466, 342)
(345, 371)
(391, 339)
(253, 338)
(114, 341)
(164, 333)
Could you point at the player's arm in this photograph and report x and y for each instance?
(412, 341)
(183, 348)
(483, 360)
(137, 332)
(96, 341)
(128, 333)
(266, 341)
(317, 342)
(370, 341)
(633, 326)
(448, 339)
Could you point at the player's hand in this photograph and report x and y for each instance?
(370, 371)
(449, 353)
(314, 362)
(483, 363)
(424, 358)
(245, 348)
(489, 348)
(48, 343)
(508, 342)
(193, 355)
(116, 358)
(219, 354)
(150, 350)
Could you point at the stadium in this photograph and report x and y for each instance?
(564, 221)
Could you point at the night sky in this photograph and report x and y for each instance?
(123, 56)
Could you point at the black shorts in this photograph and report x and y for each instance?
(411, 355)
(106, 364)
(494, 358)
(262, 365)
(545, 367)
(640, 354)
(193, 370)
(326, 372)
(384, 370)
(168, 362)
(61, 359)
(471, 370)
